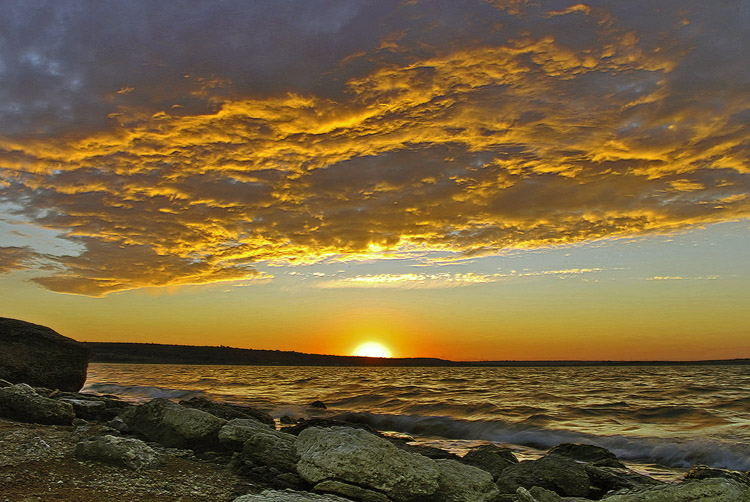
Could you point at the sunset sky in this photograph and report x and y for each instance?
(475, 180)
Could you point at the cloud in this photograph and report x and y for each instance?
(233, 135)
(16, 258)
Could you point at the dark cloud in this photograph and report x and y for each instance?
(304, 130)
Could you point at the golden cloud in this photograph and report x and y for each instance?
(525, 143)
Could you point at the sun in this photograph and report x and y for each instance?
(372, 349)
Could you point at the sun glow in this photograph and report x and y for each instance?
(372, 349)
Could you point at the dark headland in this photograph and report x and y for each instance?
(152, 353)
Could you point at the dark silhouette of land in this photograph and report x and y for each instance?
(152, 353)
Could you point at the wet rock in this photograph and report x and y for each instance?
(325, 423)
(605, 479)
(273, 449)
(229, 411)
(705, 472)
(490, 458)
(39, 356)
(176, 426)
(289, 496)
(585, 453)
(318, 404)
(463, 483)
(287, 420)
(20, 402)
(126, 452)
(560, 474)
(699, 490)
(350, 491)
(359, 457)
(235, 432)
(94, 407)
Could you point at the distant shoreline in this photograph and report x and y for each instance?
(151, 353)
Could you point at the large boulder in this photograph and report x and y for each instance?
(464, 483)
(560, 474)
(41, 357)
(586, 453)
(21, 402)
(699, 490)
(705, 472)
(125, 452)
(229, 411)
(235, 432)
(490, 458)
(359, 457)
(272, 449)
(605, 479)
(173, 425)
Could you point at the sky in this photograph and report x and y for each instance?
(471, 180)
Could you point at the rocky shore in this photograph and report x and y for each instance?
(57, 445)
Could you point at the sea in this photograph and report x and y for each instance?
(658, 420)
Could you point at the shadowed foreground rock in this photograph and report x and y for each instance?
(703, 490)
(21, 402)
(41, 357)
(131, 453)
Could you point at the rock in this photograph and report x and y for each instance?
(318, 404)
(93, 407)
(126, 452)
(490, 458)
(39, 356)
(20, 402)
(464, 483)
(699, 490)
(350, 491)
(287, 420)
(605, 479)
(359, 457)
(289, 496)
(175, 426)
(705, 472)
(271, 448)
(584, 453)
(327, 422)
(560, 474)
(229, 411)
(235, 432)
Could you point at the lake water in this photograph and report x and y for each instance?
(658, 419)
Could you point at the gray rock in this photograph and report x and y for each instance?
(490, 458)
(464, 483)
(229, 411)
(583, 452)
(705, 472)
(605, 479)
(271, 448)
(20, 402)
(350, 491)
(235, 432)
(560, 474)
(41, 357)
(700, 490)
(289, 496)
(175, 426)
(359, 457)
(126, 452)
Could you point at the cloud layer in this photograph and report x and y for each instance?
(184, 144)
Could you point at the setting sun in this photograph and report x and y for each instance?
(372, 349)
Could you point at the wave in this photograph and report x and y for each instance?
(140, 393)
(668, 452)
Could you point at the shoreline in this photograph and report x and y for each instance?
(89, 456)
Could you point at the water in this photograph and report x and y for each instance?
(658, 419)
